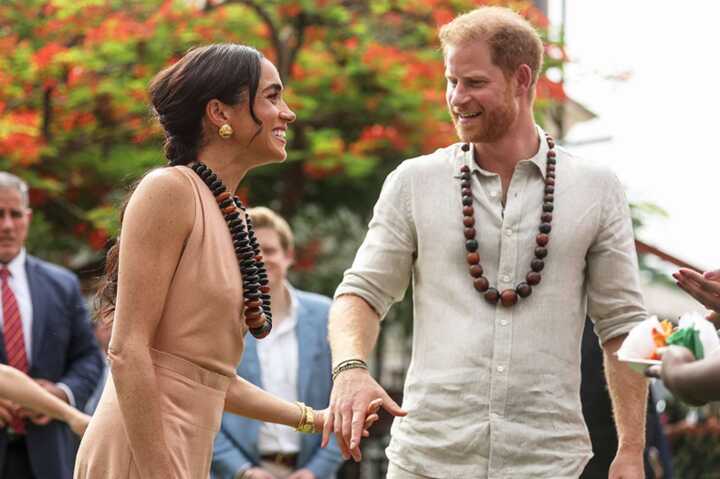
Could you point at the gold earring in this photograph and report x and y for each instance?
(225, 131)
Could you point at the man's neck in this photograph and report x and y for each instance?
(502, 156)
(281, 303)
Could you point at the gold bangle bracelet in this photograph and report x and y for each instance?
(306, 425)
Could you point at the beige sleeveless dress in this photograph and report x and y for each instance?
(197, 345)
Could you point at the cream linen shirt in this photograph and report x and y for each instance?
(494, 392)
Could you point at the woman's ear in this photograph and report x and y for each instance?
(217, 112)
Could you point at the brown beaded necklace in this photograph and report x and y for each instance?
(256, 289)
(509, 297)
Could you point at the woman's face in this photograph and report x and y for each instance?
(265, 142)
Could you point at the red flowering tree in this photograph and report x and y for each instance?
(365, 78)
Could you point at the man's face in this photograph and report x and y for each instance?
(277, 261)
(480, 99)
(14, 222)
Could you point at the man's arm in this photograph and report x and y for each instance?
(228, 460)
(353, 330)
(628, 392)
(84, 359)
(615, 305)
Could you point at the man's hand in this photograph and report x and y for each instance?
(350, 400)
(628, 464)
(705, 288)
(302, 474)
(6, 409)
(672, 369)
(257, 473)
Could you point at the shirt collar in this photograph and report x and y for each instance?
(539, 159)
(17, 264)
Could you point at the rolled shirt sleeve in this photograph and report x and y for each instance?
(382, 268)
(615, 303)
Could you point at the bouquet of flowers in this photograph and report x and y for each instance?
(646, 342)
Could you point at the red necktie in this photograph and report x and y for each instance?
(13, 334)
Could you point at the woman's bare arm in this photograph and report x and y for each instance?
(157, 221)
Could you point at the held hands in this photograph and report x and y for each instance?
(705, 288)
(356, 397)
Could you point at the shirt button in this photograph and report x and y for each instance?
(509, 231)
(500, 369)
(493, 194)
(503, 322)
(505, 279)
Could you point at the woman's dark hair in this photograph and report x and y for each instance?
(179, 95)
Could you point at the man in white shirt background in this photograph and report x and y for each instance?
(293, 362)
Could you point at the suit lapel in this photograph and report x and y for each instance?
(35, 284)
(306, 349)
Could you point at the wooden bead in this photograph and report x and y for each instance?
(546, 217)
(492, 295)
(222, 197)
(469, 221)
(473, 258)
(467, 200)
(533, 278)
(540, 252)
(229, 209)
(464, 169)
(537, 265)
(255, 322)
(551, 161)
(476, 271)
(265, 289)
(468, 211)
(254, 303)
(465, 176)
(549, 189)
(466, 192)
(545, 228)
(550, 168)
(508, 297)
(551, 154)
(470, 233)
(549, 198)
(481, 284)
(262, 331)
(523, 290)
(550, 181)
(548, 207)
(542, 239)
(465, 184)
(471, 245)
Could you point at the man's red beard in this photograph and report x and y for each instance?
(494, 124)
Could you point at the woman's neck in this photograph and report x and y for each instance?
(225, 162)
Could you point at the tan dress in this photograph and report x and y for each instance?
(197, 345)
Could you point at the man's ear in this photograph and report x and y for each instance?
(218, 113)
(523, 80)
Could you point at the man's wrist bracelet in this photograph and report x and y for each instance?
(347, 365)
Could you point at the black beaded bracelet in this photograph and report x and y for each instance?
(347, 365)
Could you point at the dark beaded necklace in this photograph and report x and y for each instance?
(509, 297)
(256, 290)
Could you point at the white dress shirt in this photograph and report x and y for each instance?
(494, 392)
(278, 355)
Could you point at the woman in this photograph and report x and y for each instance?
(20, 389)
(183, 305)
(694, 382)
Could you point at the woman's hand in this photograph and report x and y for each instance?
(370, 419)
(78, 422)
(705, 288)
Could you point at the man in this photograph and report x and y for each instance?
(45, 333)
(492, 390)
(292, 363)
